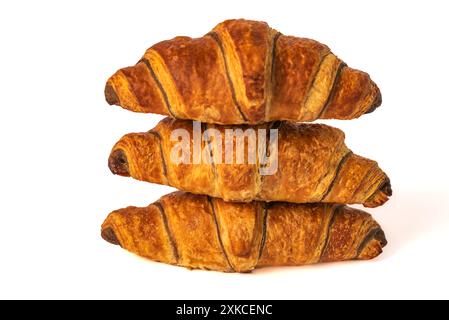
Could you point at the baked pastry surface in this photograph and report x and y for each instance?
(200, 232)
(243, 72)
(313, 165)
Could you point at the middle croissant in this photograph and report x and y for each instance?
(308, 162)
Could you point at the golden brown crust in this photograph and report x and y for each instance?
(342, 244)
(243, 72)
(199, 232)
(144, 231)
(241, 227)
(198, 86)
(145, 88)
(296, 63)
(197, 242)
(314, 165)
(354, 95)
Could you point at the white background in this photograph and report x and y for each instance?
(57, 131)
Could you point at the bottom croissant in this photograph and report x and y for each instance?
(200, 232)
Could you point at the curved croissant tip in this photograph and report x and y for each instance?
(373, 244)
(380, 236)
(377, 101)
(380, 196)
(386, 188)
(111, 95)
(118, 163)
(108, 234)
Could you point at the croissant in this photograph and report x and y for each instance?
(200, 232)
(313, 164)
(243, 72)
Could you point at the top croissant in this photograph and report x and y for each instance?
(243, 72)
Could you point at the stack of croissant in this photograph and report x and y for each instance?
(228, 216)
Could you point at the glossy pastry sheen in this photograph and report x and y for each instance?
(200, 232)
(243, 72)
(314, 165)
